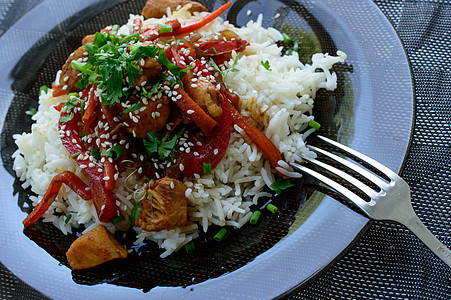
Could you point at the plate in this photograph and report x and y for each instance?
(372, 111)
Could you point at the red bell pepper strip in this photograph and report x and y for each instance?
(194, 112)
(58, 90)
(259, 138)
(75, 147)
(90, 116)
(103, 200)
(218, 48)
(66, 177)
(214, 150)
(191, 26)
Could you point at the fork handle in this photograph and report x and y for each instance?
(418, 228)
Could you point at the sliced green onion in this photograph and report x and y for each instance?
(165, 28)
(272, 208)
(220, 235)
(44, 89)
(286, 38)
(255, 216)
(31, 112)
(68, 218)
(207, 168)
(77, 65)
(75, 155)
(118, 219)
(134, 214)
(190, 247)
(295, 47)
(214, 50)
(314, 124)
(133, 48)
(115, 28)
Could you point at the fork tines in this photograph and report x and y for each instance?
(342, 162)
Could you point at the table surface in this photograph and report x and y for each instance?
(388, 261)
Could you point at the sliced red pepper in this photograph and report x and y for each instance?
(59, 106)
(90, 116)
(74, 146)
(103, 200)
(58, 90)
(259, 138)
(221, 47)
(191, 26)
(69, 179)
(213, 151)
(194, 112)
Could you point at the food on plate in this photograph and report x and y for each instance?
(168, 124)
(94, 248)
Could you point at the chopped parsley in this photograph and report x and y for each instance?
(266, 65)
(114, 152)
(224, 72)
(164, 148)
(95, 153)
(133, 107)
(281, 184)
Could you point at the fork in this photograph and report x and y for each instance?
(392, 202)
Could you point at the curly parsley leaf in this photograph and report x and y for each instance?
(164, 148)
(280, 185)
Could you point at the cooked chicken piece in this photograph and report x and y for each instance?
(88, 39)
(94, 248)
(69, 76)
(152, 115)
(204, 93)
(158, 8)
(165, 206)
(150, 70)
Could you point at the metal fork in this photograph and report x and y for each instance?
(392, 202)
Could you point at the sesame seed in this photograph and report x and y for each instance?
(181, 167)
(215, 152)
(190, 111)
(193, 85)
(140, 170)
(106, 178)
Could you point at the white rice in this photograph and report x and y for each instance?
(279, 102)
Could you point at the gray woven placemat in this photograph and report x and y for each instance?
(388, 261)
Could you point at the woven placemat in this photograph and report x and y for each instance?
(388, 261)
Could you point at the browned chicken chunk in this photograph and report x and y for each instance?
(69, 76)
(204, 93)
(151, 116)
(158, 8)
(94, 248)
(88, 39)
(165, 206)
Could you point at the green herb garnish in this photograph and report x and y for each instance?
(31, 112)
(133, 107)
(67, 118)
(220, 235)
(95, 153)
(281, 184)
(118, 219)
(165, 28)
(266, 65)
(134, 214)
(314, 124)
(163, 147)
(69, 216)
(207, 168)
